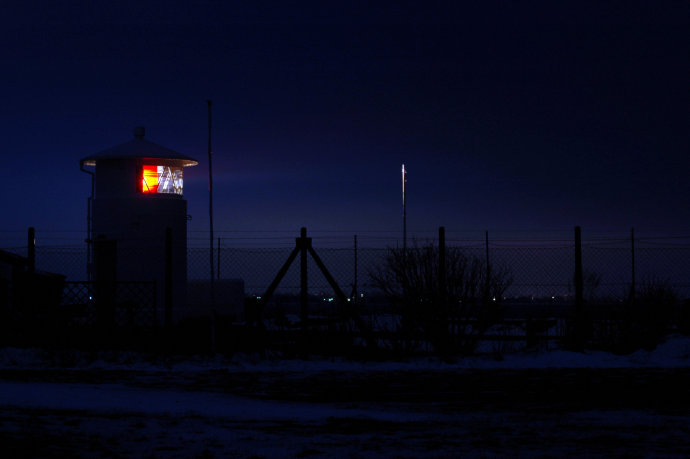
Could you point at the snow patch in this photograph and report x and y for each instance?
(674, 352)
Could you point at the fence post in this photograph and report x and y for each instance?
(487, 286)
(354, 283)
(304, 294)
(31, 250)
(578, 270)
(632, 254)
(580, 320)
(442, 264)
(167, 289)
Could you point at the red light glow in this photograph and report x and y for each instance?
(149, 179)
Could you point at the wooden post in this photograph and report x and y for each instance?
(354, 284)
(442, 265)
(303, 247)
(578, 270)
(283, 270)
(487, 283)
(580, 319)
(632, 255)
(31, 250)
(303, 244)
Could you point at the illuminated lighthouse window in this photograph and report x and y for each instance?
(161, 179)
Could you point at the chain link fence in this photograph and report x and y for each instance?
(538, 303)
(536, 272)
(539, 269)
(133, 305)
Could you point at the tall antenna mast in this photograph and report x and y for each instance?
(210, 201)
(404, 179)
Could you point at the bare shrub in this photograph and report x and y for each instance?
(652, 314)
(451, 316)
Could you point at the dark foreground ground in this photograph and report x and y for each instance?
(417, 413)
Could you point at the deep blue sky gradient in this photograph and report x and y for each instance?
(508, 115)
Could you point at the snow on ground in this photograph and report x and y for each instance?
(124, 404)
(674, 352)
(116, 398)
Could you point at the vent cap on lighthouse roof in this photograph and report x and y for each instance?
(140, 148)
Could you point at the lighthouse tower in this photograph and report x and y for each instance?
(136, 206)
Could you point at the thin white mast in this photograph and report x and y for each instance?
(404, 179)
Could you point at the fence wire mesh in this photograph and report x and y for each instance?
(538, 268)
(134, 304)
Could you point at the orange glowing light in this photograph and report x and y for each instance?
(149, 179)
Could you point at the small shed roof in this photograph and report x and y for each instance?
(139, 148)
(13, 259)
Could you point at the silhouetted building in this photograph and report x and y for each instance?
(12, 269)
(137, 197)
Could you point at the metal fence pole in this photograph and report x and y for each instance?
(578, 278)
(487, 286)
(304, 294)
(31, 250)
(632, 255)
(442, 264)
(354, 283)
(579, 325)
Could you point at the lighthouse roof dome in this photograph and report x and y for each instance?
(140, 148)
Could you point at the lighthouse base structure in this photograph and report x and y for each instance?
(139, 228)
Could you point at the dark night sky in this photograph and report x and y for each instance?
(508, 115)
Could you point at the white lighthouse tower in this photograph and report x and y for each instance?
(136, 205)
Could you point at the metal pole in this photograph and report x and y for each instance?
(404, 179)
(303, 243)
(89, 242)
(632, 253)
(89, 225)
(218, 259)
(578, 270)
(354, 285)
(442, 264)
(580, 323)
(31, 250)
(487, 285)
(210, 203)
